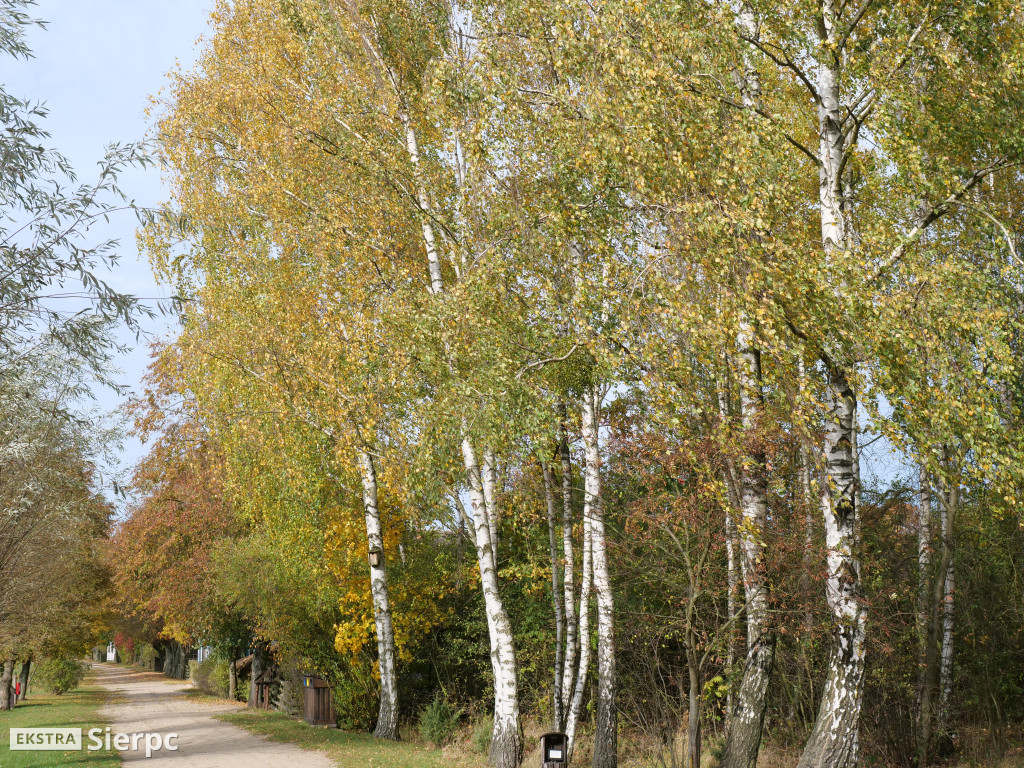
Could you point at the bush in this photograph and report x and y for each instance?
(146, 655)
(482, 732)
(58, 676)
(355, 690)
(439, 721)
(210, 676)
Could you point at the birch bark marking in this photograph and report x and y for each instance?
(507, 737)
(950, 506)
(834, 740)
(832, 142)
(586, 581)
(733, 583)
(423, 203)
(556, 597)
(924, 556)
(744, 738)
(572, 637)
(490, 483)
(606, 726)
(387, 718)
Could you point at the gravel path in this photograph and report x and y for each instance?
(146, 702)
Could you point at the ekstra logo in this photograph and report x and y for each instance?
(68, 739)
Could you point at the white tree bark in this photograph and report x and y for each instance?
(423, 203)
(490, 483)
(924, 556)
(745, 727)
(507, 737)
(506, 742)
(733, 583)
(949, 509)
(572, 631)
(558, 708)
(606, 726)
(834, 739)
(387, 718)
(586, 582)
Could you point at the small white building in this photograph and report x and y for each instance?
(111, 652)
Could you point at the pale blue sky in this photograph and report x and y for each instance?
(95, 67)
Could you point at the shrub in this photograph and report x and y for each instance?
(219, 678)
(439, 721)
(482, 732)
(355, 688)
(147, 654)
(210, 676)
(58, 676)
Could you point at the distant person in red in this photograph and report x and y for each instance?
(17, 689)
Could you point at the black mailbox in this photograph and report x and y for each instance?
(554, 748)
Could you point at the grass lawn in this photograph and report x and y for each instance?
(346, 749)
(75, 709)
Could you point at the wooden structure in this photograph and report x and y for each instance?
(265, 682)
(318, 704)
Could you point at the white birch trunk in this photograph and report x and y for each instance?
(606, 726)
(747, 721)
(924, 556)
(733, 583)
(507, 737)
(586, 581)
(572, 632)
(834, 740)
(946, 661)
(557, 705)
(423, 203)
(387, 718)
(490, 483)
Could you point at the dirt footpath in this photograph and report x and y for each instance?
(145, 702)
